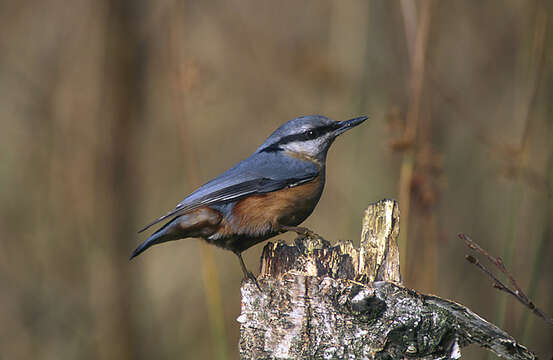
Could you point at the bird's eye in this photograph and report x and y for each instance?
(311, 133)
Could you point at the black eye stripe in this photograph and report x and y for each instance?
(310, 134)
(322, 130)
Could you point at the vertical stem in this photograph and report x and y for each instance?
(363, 91)
(541, 251)
(413, 113)
(524, 109)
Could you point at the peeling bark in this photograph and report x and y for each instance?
(337, 302)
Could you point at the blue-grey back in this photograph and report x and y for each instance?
(276, 166)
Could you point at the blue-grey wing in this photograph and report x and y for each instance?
(258, 174)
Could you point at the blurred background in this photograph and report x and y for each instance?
(113, 111)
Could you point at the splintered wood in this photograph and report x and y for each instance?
(379, 252)
(338, 302)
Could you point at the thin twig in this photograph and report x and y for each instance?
(498, 284)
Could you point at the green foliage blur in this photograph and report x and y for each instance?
(113, 111)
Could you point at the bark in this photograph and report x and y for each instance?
(337, 302)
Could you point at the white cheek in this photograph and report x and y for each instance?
(304, 147)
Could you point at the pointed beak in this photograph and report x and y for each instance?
(348, 124)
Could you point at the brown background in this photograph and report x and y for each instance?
(113, 111)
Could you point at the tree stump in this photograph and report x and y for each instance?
(337, 302)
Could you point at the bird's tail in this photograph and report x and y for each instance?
(160, 236)
(192, 224)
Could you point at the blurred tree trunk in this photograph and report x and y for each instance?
(122, 96)
(340, 302)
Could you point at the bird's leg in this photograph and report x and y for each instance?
(300, 231)
(247, 274)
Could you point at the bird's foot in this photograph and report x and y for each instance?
(250, 276)
(247, 274)
(301, 231)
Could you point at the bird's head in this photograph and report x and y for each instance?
(308, 135)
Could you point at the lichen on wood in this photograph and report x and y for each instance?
(319, 301)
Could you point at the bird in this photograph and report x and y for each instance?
(271, 192)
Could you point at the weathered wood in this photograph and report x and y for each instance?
(337, 302)
(378, 250)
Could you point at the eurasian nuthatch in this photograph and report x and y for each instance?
(270, 192)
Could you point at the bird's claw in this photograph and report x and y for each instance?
(250, 276)
(301, 231)
(307, 232)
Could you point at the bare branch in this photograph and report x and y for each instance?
(498, 284)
